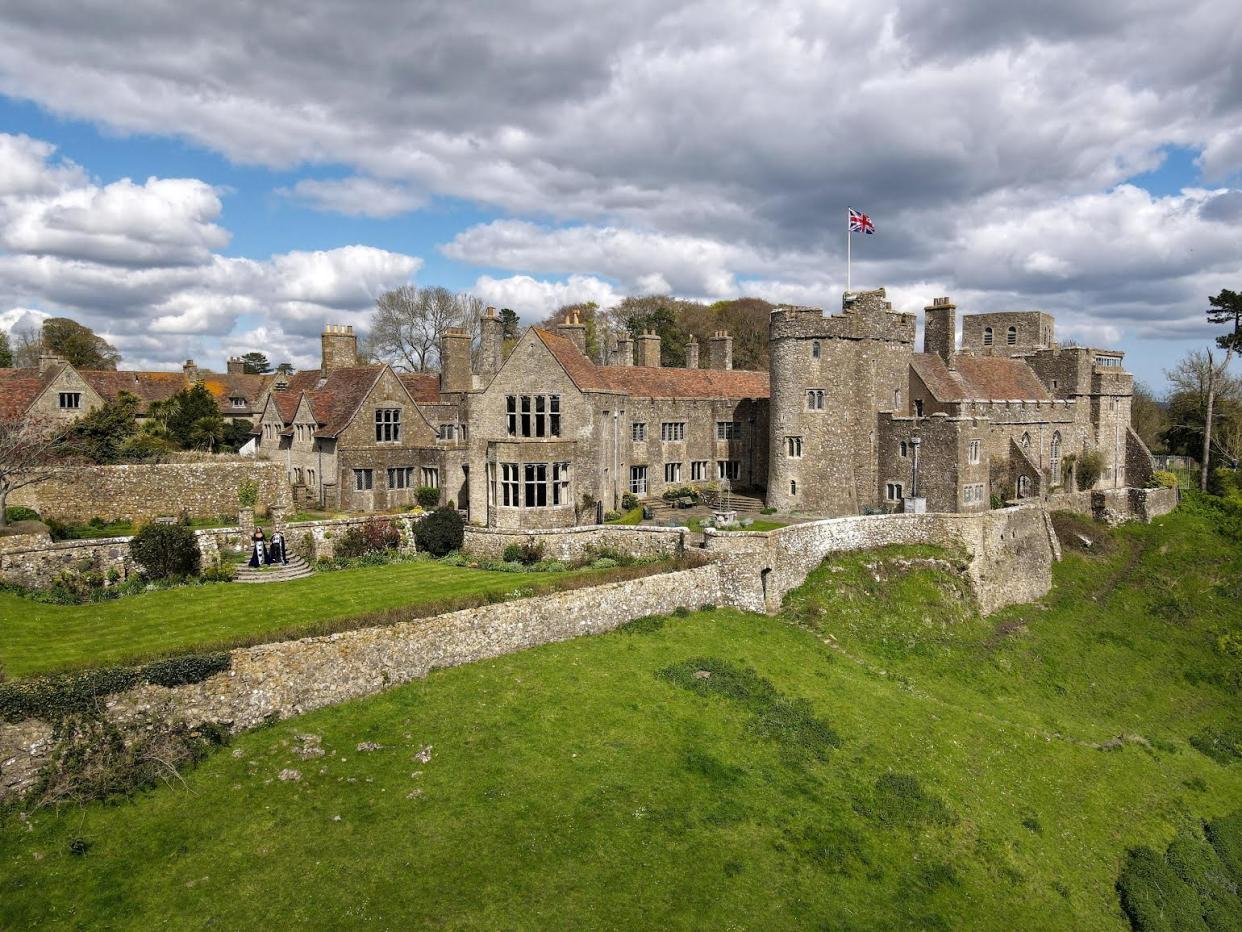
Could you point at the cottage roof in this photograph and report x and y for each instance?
(20, 387)
(979, 378)
(148, 387)
(424, 387)
(653, 381)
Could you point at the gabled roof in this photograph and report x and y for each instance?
(20, 387)
(228, 385)
(979, 378)
(652, 381)
(146, 386)
(424, 387)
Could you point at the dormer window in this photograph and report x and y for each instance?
(237, 402)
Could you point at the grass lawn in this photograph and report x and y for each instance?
(633, 516)
(36, 638)
(893, 761)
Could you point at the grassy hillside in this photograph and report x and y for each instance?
(877, 756)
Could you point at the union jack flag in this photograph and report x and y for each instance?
(860, 223)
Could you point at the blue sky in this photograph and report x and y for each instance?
(532, 156)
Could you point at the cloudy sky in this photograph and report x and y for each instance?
(202, 179)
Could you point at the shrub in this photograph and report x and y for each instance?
(612, 516)
(767, 511)
(20, 513)
(375, 535)
(441, 532)
(247, 493)
(527, 553)
(427, 496)
(629, 501)
(1090, 466)
(219, 572)
(165, 551)
(1164, 479)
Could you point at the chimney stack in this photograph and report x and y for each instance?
(190, 370)
(573, 329)
(720, 351)
(339, 348)
(692, 354)
(492, 340)
(623, 352)
(649, 349)
(236, 366)
(49, 361)
(940, 329)
(455, 375)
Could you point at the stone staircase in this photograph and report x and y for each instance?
(746, 506)
(296, 568)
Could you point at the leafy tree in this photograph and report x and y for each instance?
(509, 320)
(655, 312)
(6, 351)
(181, 415)
(103, 435)
(256, 363)
(588, 314)
(1197, 378)
(1224, 308)
(1148, 416)
(77, 344)
(237, 433)
(30, 453)
(285, 368)
(441, 532)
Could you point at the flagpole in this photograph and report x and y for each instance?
(848, 245)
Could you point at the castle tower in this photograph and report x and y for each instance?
(831, 376)
(338, 348)
(235, 366)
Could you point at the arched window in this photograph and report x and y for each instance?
(1011, 336)
(815, 349)
(1026, 441)
(1024, 486)
(987, 336)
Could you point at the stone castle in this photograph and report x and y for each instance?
(850, 420)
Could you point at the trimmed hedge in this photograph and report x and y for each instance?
(441, 532)
(51, 698)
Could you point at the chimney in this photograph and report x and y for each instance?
(692, 354)
(455, 373)
(623, 354)
(649, 349)
(339, 348)
(492, 342)
(236, 365)
(49, 361)
(940, 329)
(720, 350)
(190, 370)
(573, 329)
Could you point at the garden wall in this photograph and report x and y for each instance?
(153, 490)
(285, 679)
(571, 544)
(1116, 504)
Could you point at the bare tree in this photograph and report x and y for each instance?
(29, 454)
(27, 347)
(407, 324)
(1224, 308)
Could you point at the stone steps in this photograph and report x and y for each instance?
(296, 568)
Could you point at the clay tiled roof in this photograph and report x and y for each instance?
(19, 388)
(334, 399)
(147, 386)
(424, 387)
(228, 385)
(653, 381)
(979, 378)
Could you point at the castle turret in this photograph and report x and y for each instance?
(940, 329)
(339, 348)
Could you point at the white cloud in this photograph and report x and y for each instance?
(355, 196)
(534, 299)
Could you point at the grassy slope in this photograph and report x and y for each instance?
(570, 786)
(35, 637)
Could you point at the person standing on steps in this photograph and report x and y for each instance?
(258, 548)
(276, 552)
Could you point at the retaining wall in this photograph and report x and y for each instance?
(1116, 504)
(570, 544)
(285, 679)
(152, 490)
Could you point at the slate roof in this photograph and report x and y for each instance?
(653, 381)
(979, 378)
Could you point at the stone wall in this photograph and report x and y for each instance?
(38, 563)
(569, 544)
(1010, 552)
(290, 678)
(1117, 504)
(152, 490)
